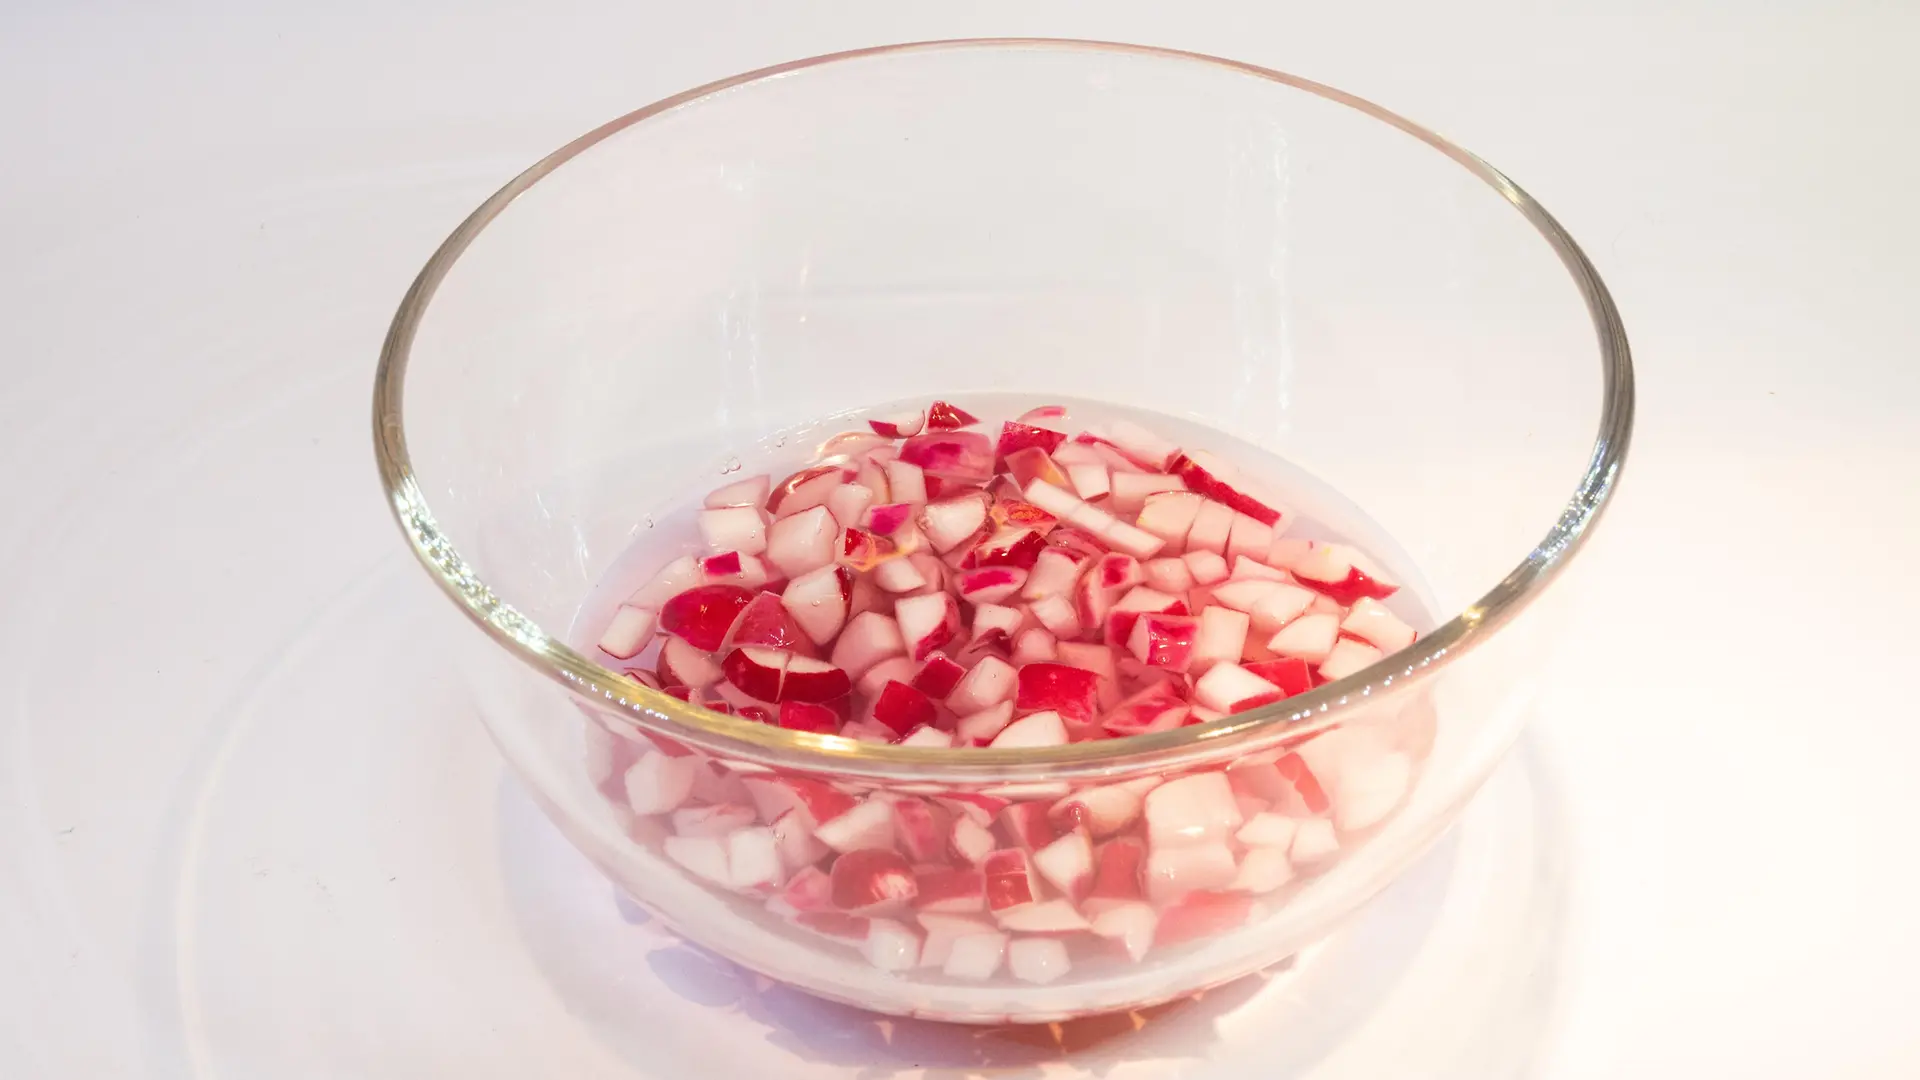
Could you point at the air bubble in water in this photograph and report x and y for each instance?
(731, 465)
(649, 520)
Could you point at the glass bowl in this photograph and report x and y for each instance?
(1216, 242)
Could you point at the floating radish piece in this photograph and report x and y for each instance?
(1102, 586)
(872, 879)
(900, 425)
(989, 683)
(1173, 871)
(1015, 546)
(1267, 829)
(966, 456)
(798, 849)
(1071, 692)
(1249, 539)
(1011, 511)
(1169, 574)
(1303, 794)
(931, 738)
(1165, 641)
(1371, 622)
(1293, 676)
(980, 728)
(1244, 568)
(716, 820)
(1208, 476)
(802, 542)
(899, 576)
(1342, 573)
(629, 632)
(1043, 413)
(848, 445)
(921, 829)
(891, 946)
(1070, 508)
(657, 782)
(753, 861)
(1119, 865)
(848, 504)
(815, 802)
(952, 891)
(808, 891)
(993, 622)
(1015, 436)
(1038, 960)
(734, 528)
(1130, 490)
(681, 664)
(1127, 610)
(927, 622)
(1191, 810)
(1009, 878)
(950, 523)
(807, 716)
(1033, 464)
(1100, 812)
(1262, 870)
(676, 577)
(1058, 615)
(758, 672)
(1156, 708)
(971, 841)
(1042, 917)
(750, 492)
(808, 679)
(766, 621)
(1314, 842)
(876, 678)
(1363, 775)
(1169, 516)
(1143, 446)
(1130, 925)
(1200, 915)
(819, 600)
(702, 615)
(903, 708)
(1207, 567)
(805, 490)
(704, 857)
(937, 676)
(942, 930)
(992, 584)
(1230, 688)
(1031, 731)
(1348, 657)
(836, 925)
(1309, 638)
(868, 824)
(1286, 552)
(1090, 482)
(869, 638)
(1211, 527)
(1067, 864)
(906, 483)
(944, 417)
(1034, 645)
(1219, 638)
(975, 957)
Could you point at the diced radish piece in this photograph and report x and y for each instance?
(1038, 960)
(809, 889)
(900, 425)
(992, 584)
(1101, 811)
(971, 841)
(1267, 829)
(1314, 842)
(980, 728)
(1071, 692)
(683, 665)
(1373, 623)
(805, 490)
(996, 623)
(891, 946)
(898, 576)
(889, 519)
(818, 601)
(1069, 454)
(1174, 871)
(758, 672)
(966, 456)
(975, 957)
(848, 504)
(1230, 688)
(1102, 586)
(765, 621)
(1009, 876)
(1078, 541)
(1070, 508)
(750, 492)
(929, 737)
(1042, 917)
(927, 622)
(1130, 490)
(1310, 638)
(837, 925)
(937, 676)
(1129, 924)
(1168, 574)
(1273, 604)
(1199, 915)
(1041, 413)
(1165, 641)
(944, 417)
(989, 683)
(1303, 793)
(1191, 810)
(868, 825)
(802, 542)
(1221, 636)
(1292, 676)
(903, 708)
(1128, 609)
(868, 732)
(952, 891)
(1089, 481)
(1348, 657)
(1027, 825)
(1011, 546)
(849, 445)
(1244, 568)
(1169, 516)
(1015, 436)
(1033, 464)
(703, 614)
(816, 802)
(1143, 446)
(711, 820)
(658, 782)
(1286, 552)
(876, 678)
(753, 861)
(1034, 730)
(952, 522)
(798, 849)
(869, 879)
(1342, 573)
(734, 528)
(808, 679)
(1212, 524)
(1011, 511)
(674, 578)
(1034, 645)
(906, 483)
(1248, 539)
(1117, 874)
(1364, 777)
(705, 857)
(1262, 870)
(942, 930)
(869, 638)
(1207, 567)
(1056, 613)
(629, 632)
(1054, 573)
(1156, 708)
(1067, 864)
(1209, 476)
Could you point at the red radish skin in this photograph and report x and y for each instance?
(818, 602)
(1341, 574)
(702, 615)
(1015, 436)
(682, 665)
(1027, 826)
(927, 622)
(951, 890)
(758, 672)
(1072, 692)
(1013, 546)
(1032, 464)
(903, 708)
(811, 680)
(966, 456)
(870, 880)
(937, 676)
(766, 621)
(944, 417)
(1009, 879)
(629, 632)
(804, 490)
(807, 716)
(1292, 676)
(1201, 479)
(900, 425)
(991, 584)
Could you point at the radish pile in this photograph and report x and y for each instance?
(928, 584)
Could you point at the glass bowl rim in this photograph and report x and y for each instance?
(733, 737)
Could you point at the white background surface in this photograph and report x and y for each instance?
(246, 832)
